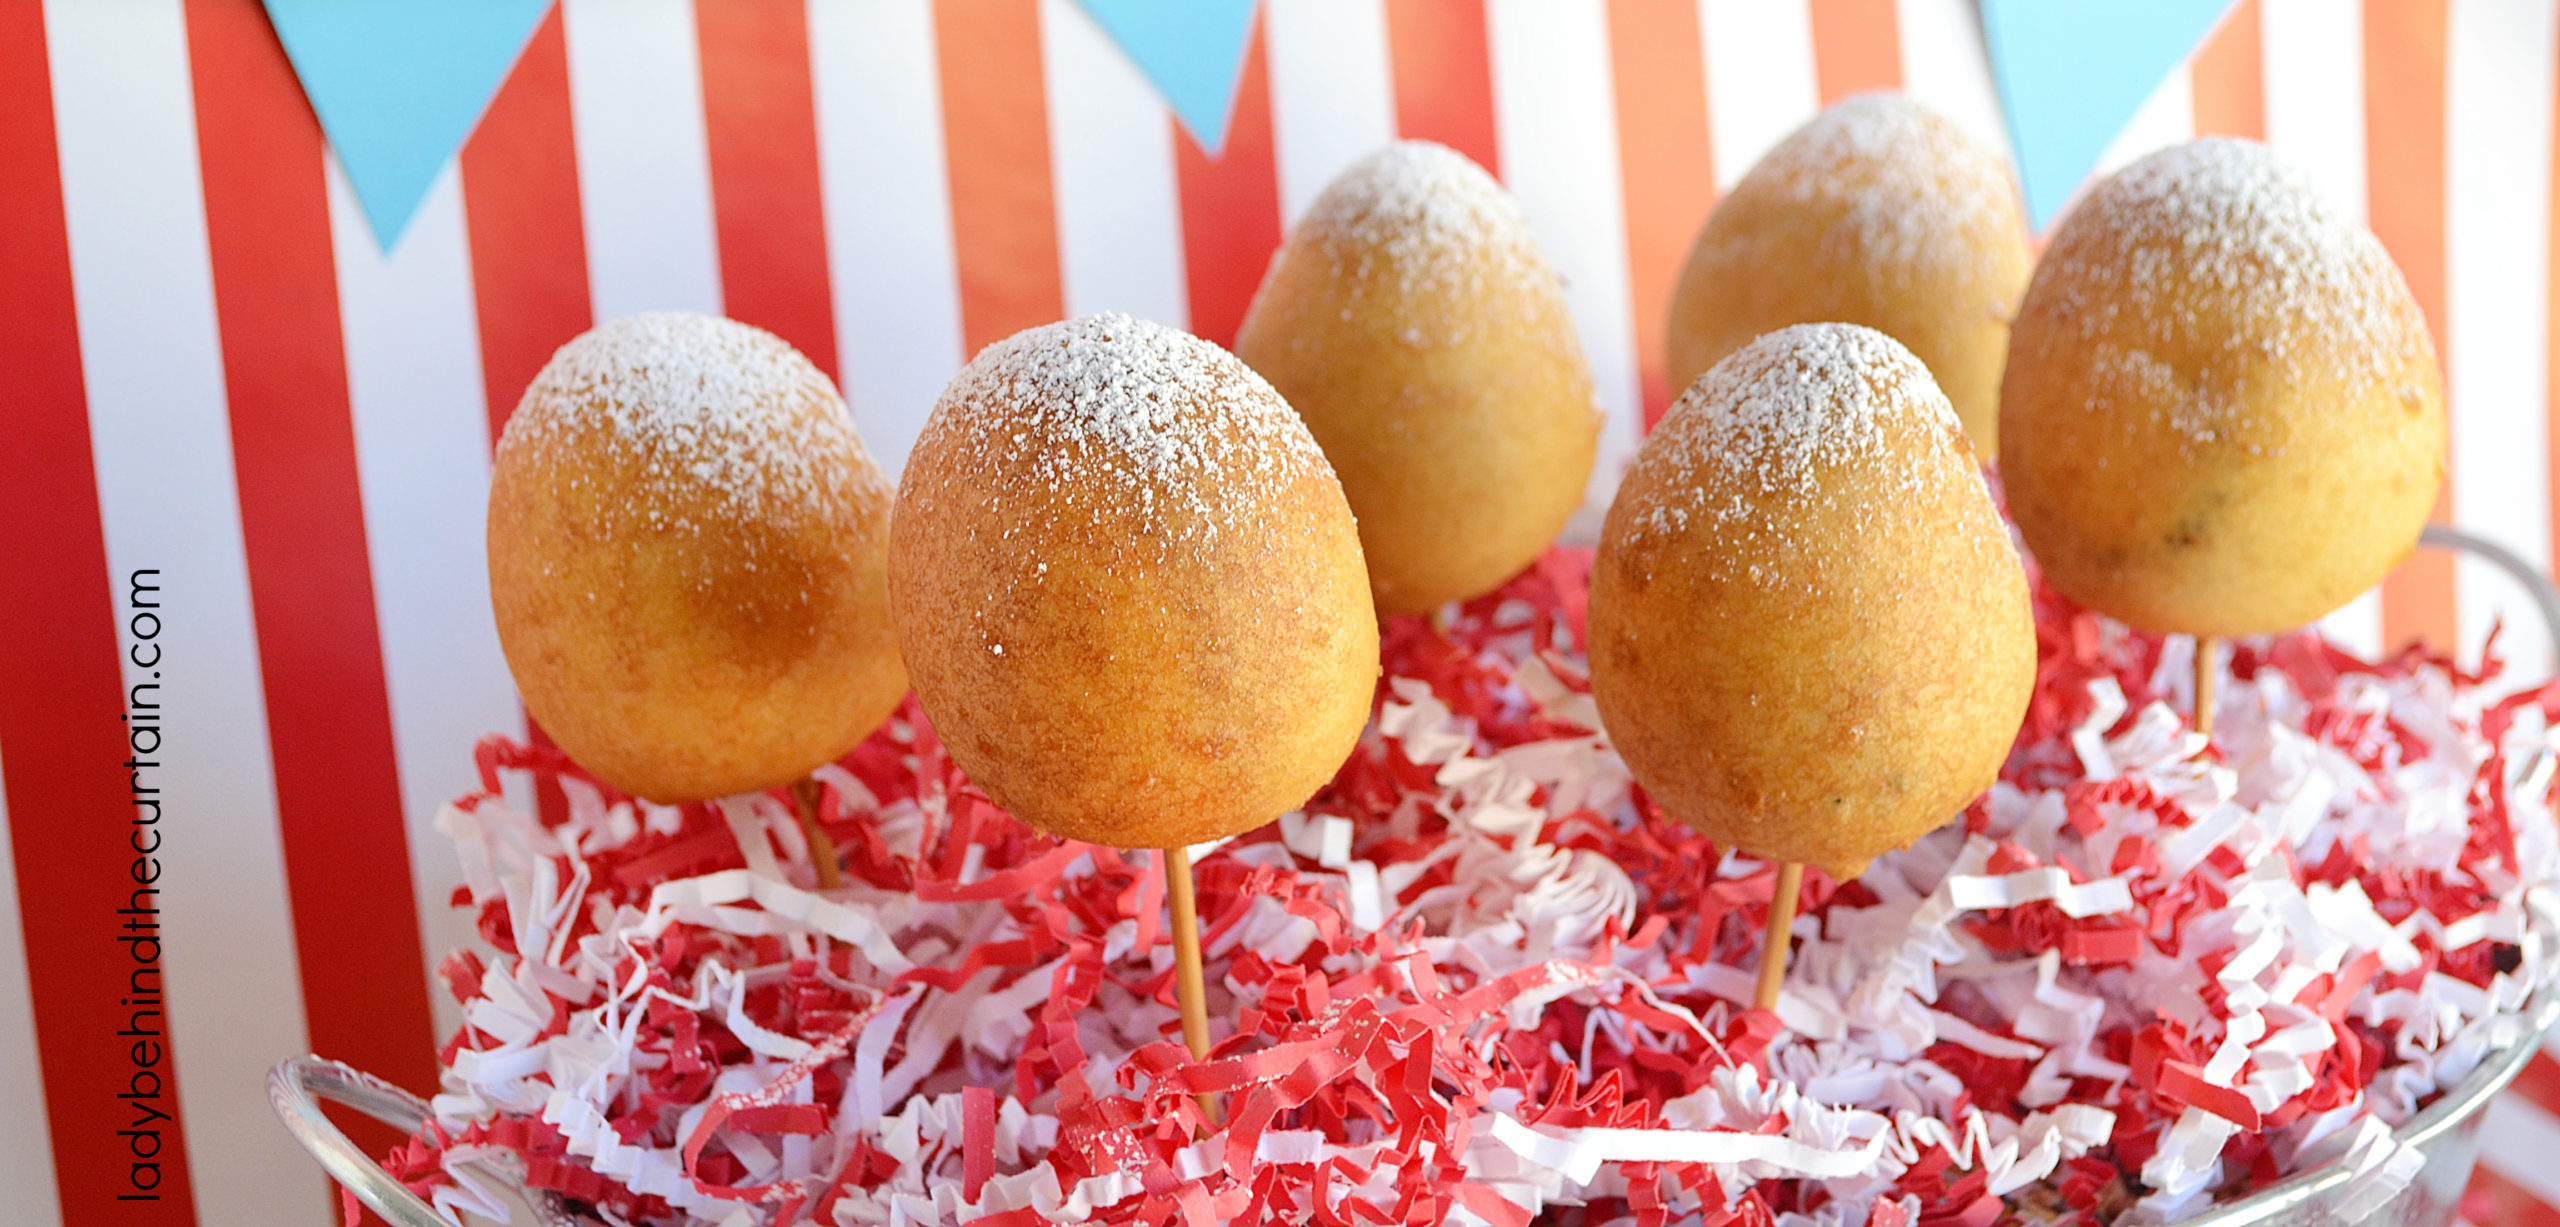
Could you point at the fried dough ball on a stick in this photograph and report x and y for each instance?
(1810, 637)
(1129, 587)
(2222, 414)
(1878, 211)
(1412, 321)
(687, 546)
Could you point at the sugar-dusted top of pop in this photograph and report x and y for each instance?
(1435, 218)
(710, 411)
(1907, 179)
(2228, 223)
(1142, 416)
(1776, 416)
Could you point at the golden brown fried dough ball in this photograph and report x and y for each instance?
(1129, 587)
(1810, 636)
(1412, 321)
(686, 554)
(1879, 212)
(2222, 414)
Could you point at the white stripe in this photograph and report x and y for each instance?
(160, 430)
(644, 165)
(1332, 92)
(888, 208)
(2497, 269)
(1945, 67)
(1760, 82)
(2167, 117)
(1558, 124)
(2518, 1141)
(422, 458)
(2312, 66)
(1111, 164)
(2357, 625)
(26, 1166)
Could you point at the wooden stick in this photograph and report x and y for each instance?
(822, 850)
(1782, 920)
(2208, 677)
(1188, 987)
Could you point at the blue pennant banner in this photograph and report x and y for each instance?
(398, 85)
(2072, 72)
(1192, 50)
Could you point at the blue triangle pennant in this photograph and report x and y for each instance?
(2072, 72)
(1192, 50)
(398, 85)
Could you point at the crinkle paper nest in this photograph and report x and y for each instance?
(1481, 980)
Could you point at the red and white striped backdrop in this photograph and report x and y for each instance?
(213, 370)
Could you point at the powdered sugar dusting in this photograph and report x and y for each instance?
(1908, 182)
(1140, 414)
(1771, 421)
(2287, 272)
(1435, 220)
(701, 403)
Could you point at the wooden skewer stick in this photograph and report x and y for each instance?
(2208, 677)
(1782, 920)
(1188, 987)
(822, 850)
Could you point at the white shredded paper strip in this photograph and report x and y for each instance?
(1850, 1098)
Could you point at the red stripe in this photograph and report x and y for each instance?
(61, 747)
(1443, 65)
(528, 246)
(760, 114)
(346, 852)
(2228, 77)
(2404, 118)
(995, 136)
(2539, 1084)
(2492, 1200)
(1857, 47)
(1230, 205)
(520, 201)
(1666, 160)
